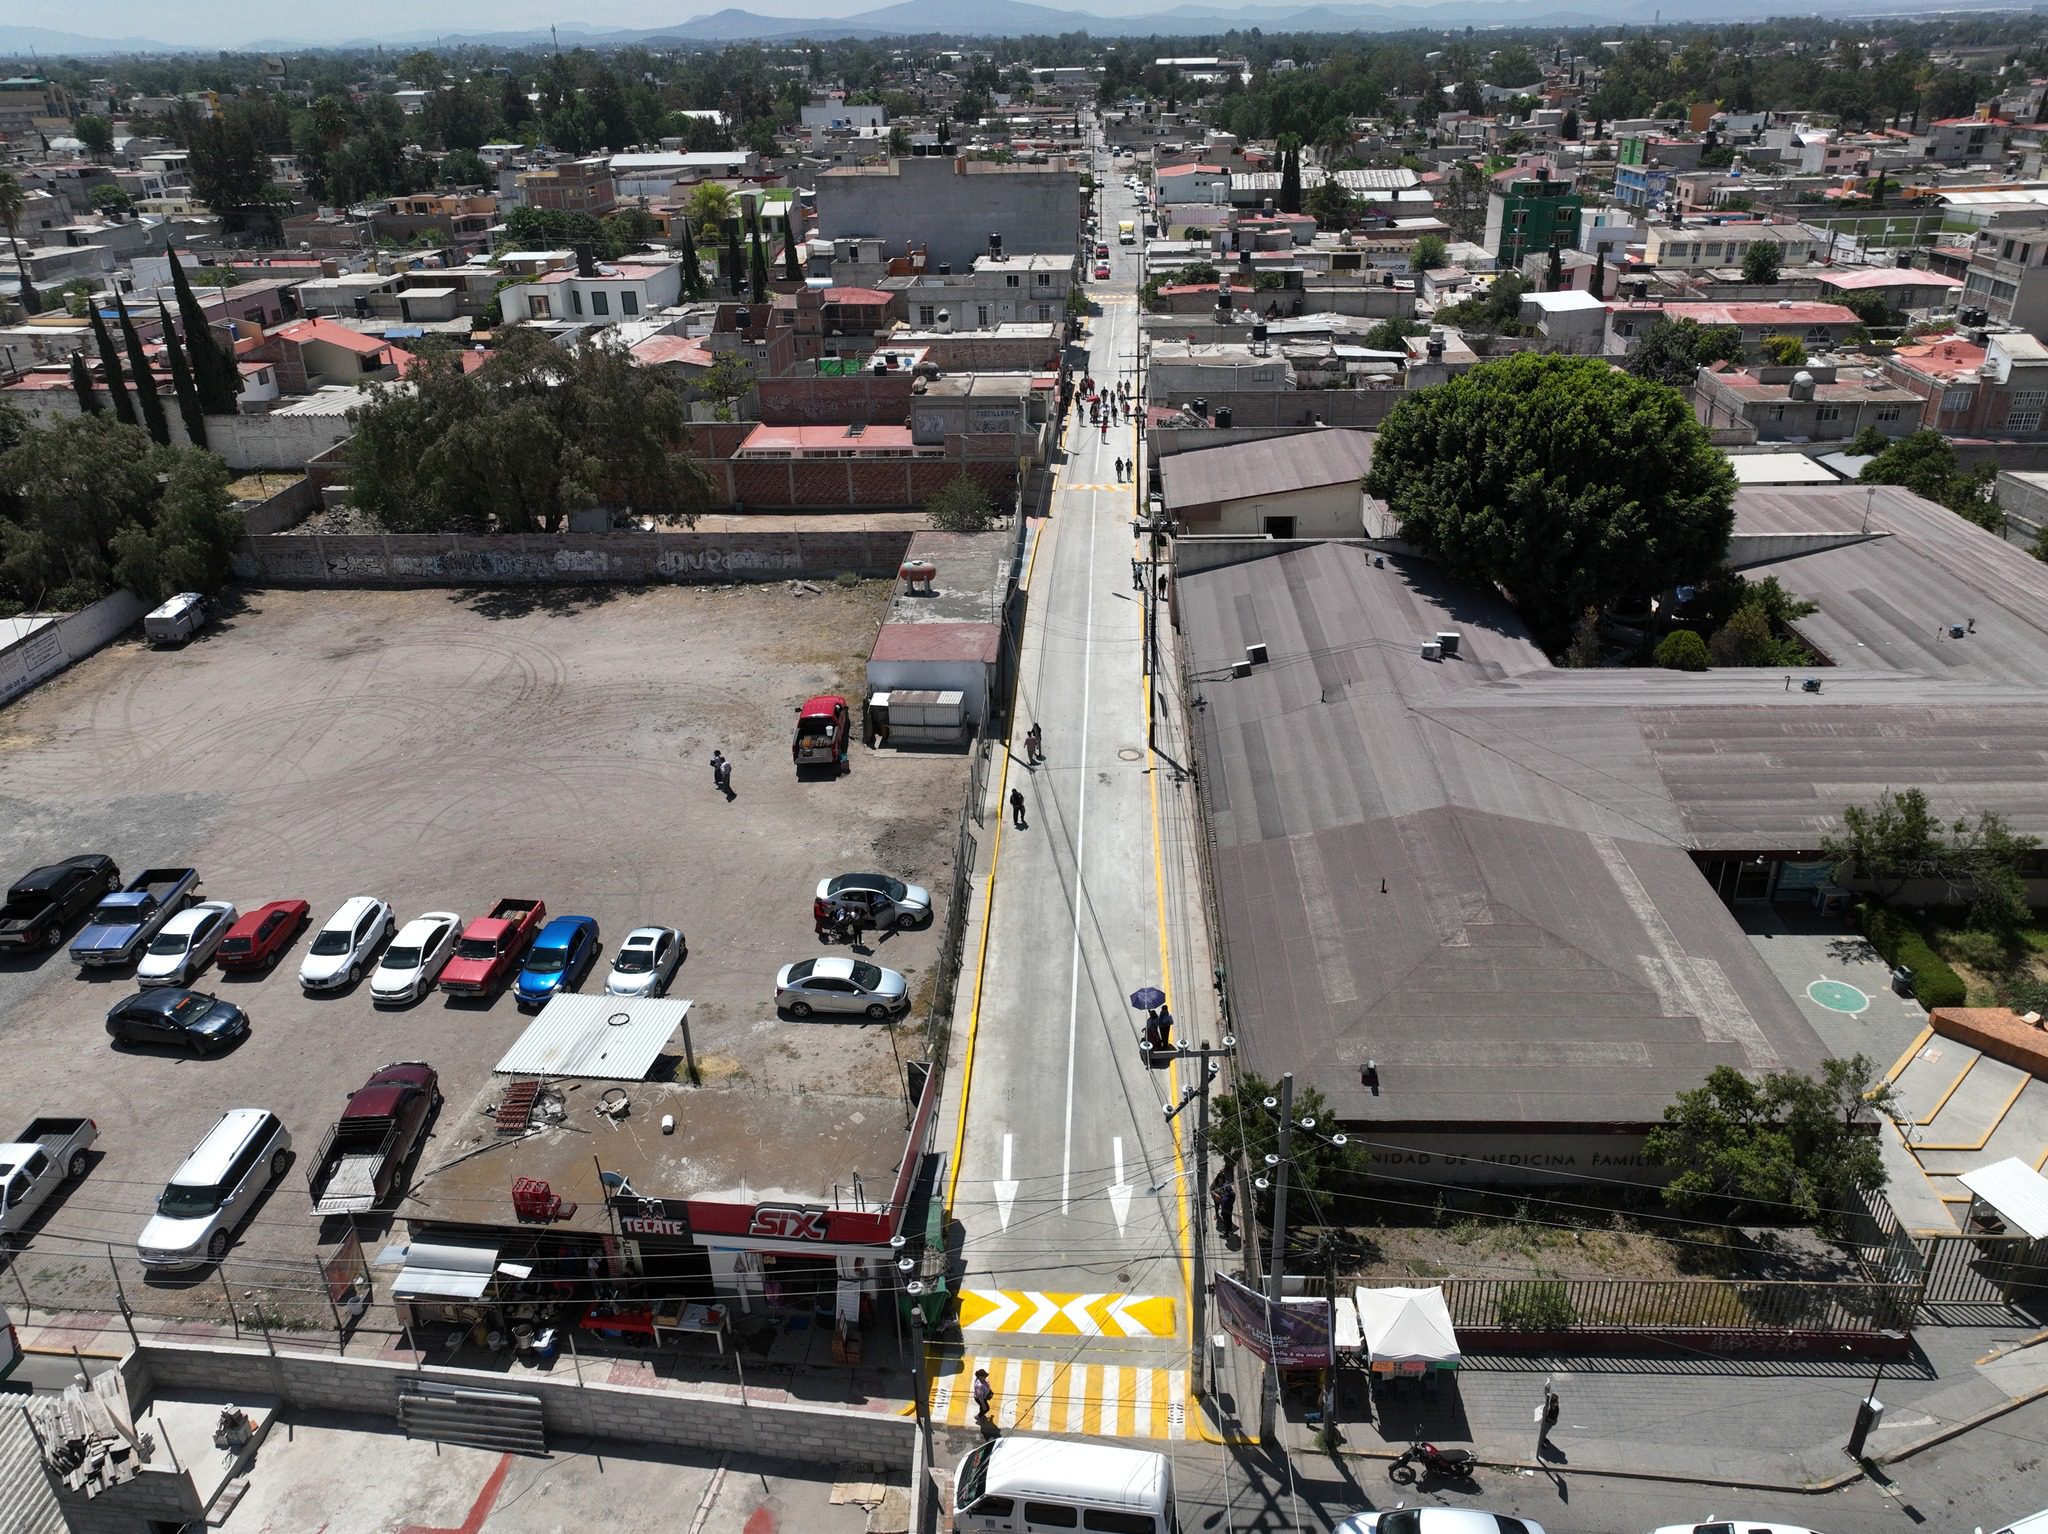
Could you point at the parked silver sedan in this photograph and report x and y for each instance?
(645, 962)
(840, 985)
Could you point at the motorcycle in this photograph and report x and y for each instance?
(1420, 1459)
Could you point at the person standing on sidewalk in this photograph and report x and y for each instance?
(1225, 1196)
(984, 1401)
(1017, 809)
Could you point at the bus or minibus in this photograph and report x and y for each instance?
(1023, 1485)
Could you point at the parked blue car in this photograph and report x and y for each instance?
(558, 960)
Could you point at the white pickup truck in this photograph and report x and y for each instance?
(50, 1152)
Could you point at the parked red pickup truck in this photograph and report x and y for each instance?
(487, 954)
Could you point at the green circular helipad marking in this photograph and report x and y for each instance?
(1838, 996)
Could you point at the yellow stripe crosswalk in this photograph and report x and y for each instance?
(1066, 1315)
(1042, 1395)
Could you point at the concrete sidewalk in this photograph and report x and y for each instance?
(1765, 1425)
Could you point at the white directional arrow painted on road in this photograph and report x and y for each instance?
(1119, 1190)
(1005, 1188)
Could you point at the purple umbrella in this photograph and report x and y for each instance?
(1148, 998)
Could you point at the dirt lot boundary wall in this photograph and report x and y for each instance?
(71, 638)
(816, 1434)
(437, 559)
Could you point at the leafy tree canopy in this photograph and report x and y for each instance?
(1926, 464)
(960, 505)
(1673, 351)
(535, 433)
(1761, 261)
(93, 504)
(1899, 838)
(1559, 478)
(1787, 1147)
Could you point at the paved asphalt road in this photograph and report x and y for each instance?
(1068, 1182)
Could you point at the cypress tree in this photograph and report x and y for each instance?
(790, 266)
(81, 385)
(735, 263)
(189, 408)
(757, 270)
(213, 372)
(145, 381)
(110, 361)
(693, 271)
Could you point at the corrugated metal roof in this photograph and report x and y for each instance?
(614, 1038)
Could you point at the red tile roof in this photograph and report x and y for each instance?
(302, 331)
(868, 297)
(656, 350)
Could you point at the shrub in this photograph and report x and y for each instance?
(1984, 951)
(1682, 650)
(1934, 983)
(1536, 1306)
(846, 580)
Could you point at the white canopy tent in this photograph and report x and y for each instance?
(1404, 1331)
(2014, 1192)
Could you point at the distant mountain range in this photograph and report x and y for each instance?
(1013, 18)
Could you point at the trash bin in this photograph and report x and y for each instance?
(1902, 980)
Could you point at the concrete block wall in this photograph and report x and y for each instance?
(71, 638)
(818, 1434)
(448, 559)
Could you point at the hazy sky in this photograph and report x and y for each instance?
(232, 23)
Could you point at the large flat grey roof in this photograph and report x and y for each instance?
(1537, 828)
(1272, 466)
(1545, 950)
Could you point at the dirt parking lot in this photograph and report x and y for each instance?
(441, 749)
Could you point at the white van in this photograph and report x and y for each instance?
(2033, 1523)
(178, 619)
(215, 1189)
(1042, 1485)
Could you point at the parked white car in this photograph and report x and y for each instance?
(840, 985)
(1715, 1525)
(341, 950)
(877, 900)
(184, 943)
(645, 963)
(413, 961)
(1432, 1519)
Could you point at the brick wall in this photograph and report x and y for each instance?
(448, 559)
(824, 1435)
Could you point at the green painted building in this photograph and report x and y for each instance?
(1530, 216)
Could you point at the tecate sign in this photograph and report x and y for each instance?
(652, 1225)
(789, 1222)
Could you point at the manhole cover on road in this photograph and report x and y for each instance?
(1128, 755)
(1838, 996)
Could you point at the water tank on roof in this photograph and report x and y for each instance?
(1802, 385)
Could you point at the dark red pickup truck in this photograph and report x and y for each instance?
(487, 954)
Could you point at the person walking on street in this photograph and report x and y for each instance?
(1034, 742)
(984, 1401)
(1225, 1195)
(1017, 809)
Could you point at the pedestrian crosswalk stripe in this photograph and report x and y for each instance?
(1037, 1314)
(1034, 1395)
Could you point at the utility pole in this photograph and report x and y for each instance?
(1269, 1397)
(1211, 1066)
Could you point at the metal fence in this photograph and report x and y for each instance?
(77, 1289)
(1554, 1305)
(1949, 1268)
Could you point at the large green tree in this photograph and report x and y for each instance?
(189, 408)
(110, 365)
(153, 417)
(1784, 1147)
(1673, 351)
(1243, 1131)
(1926, 464)
(214, 373)
(95, 503)
(537, 432)
(1568, 483)
(13, 202)
(1977, 859)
